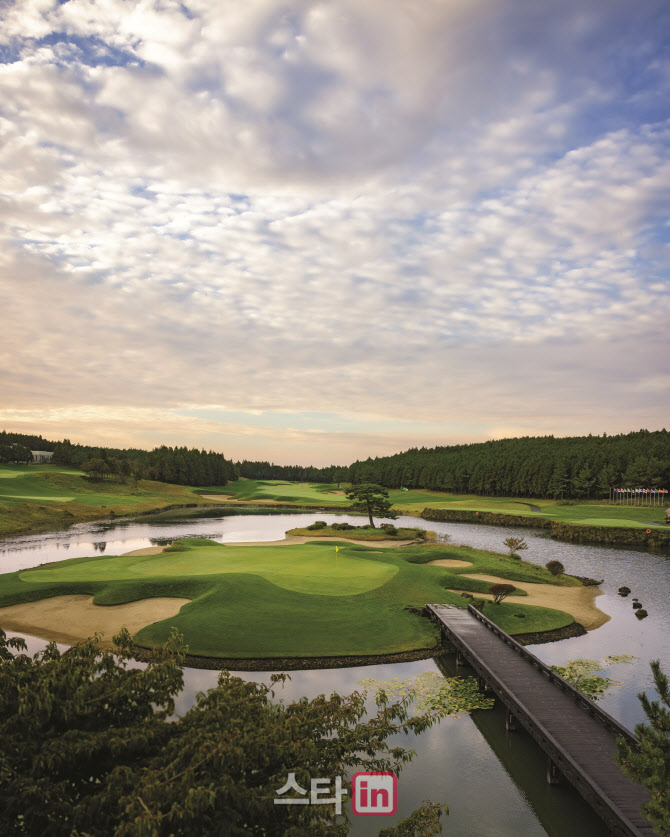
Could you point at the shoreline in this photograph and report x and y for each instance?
(658, 539)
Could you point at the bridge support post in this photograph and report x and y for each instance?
(460, 659)
(510, 722)
(553, 776)
(481, 684)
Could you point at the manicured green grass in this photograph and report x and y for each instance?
(593, 512)
(44, 496)
(292, 601)
(414, 501)
(321, 494)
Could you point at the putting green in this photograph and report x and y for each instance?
(312, 568)
(303, 600)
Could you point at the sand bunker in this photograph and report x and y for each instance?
(446, 562)
(71, 619)
(577, 601)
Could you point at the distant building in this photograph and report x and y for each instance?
(42, 455)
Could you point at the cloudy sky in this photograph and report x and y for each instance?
(314, 231)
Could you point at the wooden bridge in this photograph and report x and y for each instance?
(578, 737)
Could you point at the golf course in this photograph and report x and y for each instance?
(289, 599)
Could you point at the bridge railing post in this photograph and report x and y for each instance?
(553, 775)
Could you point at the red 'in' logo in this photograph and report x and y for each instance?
(374, 794)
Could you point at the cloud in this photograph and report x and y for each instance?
(440, 212)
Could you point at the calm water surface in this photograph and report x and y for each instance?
(492, 780)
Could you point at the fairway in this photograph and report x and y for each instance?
(309, 569)
(303, 600)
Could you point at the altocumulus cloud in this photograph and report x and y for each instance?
(452, 214)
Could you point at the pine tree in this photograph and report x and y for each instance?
(650, 763)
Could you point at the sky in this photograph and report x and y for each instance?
(312, 232)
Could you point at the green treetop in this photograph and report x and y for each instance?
(371, 499)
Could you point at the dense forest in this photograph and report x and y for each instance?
(531, 466)
(178, 465)
(543, 466)
(298, 473)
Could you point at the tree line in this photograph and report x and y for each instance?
(177, 465)
(262, 470)
(580, 467)
(574, 467)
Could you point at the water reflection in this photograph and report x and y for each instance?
(498, 796)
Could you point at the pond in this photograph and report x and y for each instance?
(492, 780)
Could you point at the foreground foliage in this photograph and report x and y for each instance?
(87, 747)
(650, 763)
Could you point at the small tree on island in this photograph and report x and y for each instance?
(555, 567)
(515, 545)
(371, 499)
(649, 764)
(501, 591)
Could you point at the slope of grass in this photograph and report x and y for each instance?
(293, 601)
(47, 496)
(414, 501)
(321, 494)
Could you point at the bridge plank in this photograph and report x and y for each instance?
(571, 730)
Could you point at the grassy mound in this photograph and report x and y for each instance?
(46, 496)
(307, 600)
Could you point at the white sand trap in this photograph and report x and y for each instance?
(577, 601)
(449, 562)
(71, 619)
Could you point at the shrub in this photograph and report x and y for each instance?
(318, 524)
(500, 592)
(389, 529)
(555, 567)
(515, 545)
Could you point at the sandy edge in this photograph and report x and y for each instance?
(577, 601)
(74, 618)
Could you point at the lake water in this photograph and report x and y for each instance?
(492, 780)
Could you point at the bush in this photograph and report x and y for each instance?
(389, 528)
(515, 545)
(500, 592)
(555, 567)
(318, 524)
